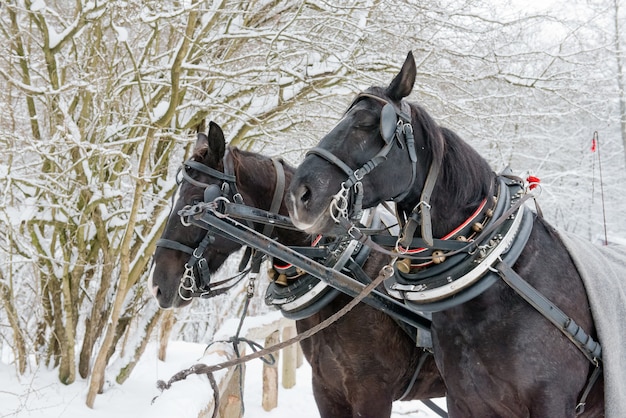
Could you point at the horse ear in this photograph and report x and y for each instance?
(201, 139)
(402, 84)
(216, 141)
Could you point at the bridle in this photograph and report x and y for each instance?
(395, 127)
(196, 279)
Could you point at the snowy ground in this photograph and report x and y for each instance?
(39, 394)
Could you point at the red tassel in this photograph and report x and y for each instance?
(533, 182)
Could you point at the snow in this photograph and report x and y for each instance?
(122, 33)
(37, 6)
(160, 110)
(40, 394)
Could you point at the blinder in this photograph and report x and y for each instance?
(212, 192)
(388, 122)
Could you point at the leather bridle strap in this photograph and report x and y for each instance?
(174, 245)
(208, 171)
(279, 192)
(422, 209)
(331, 158)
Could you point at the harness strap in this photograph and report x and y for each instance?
(229, 170)
(418, 369)
(208, 171)
(435, 408)
(418, 242)
(423, 209)
(279, 192)
(405, 130)
(197, 259)
(404, 111)
(174, 245)
(331, 158)
(580, 408)
(585, 343)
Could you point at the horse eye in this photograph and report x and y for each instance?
(366, 121)
(365, 126)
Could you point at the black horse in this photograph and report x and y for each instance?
(498, 356)
(360, 364)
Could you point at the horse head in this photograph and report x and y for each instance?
(187, 255)
(385, 148)
(172, 273)
(374, 136)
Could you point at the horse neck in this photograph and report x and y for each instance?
(463, 182)
(256, 181)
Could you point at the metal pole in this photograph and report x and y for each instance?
(597, 144)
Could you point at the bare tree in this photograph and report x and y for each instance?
(101, 99)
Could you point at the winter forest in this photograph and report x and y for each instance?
(101, 100)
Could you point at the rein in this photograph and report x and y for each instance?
(200, 368)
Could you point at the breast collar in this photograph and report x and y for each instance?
(299, 295)
(449, 281)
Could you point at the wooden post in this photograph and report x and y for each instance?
(230, 392)
(300, 358)
(270, 376)
(290, 358)
(230, 400)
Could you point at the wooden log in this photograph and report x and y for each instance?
(270, 376)
(290, 358)
(231, 398)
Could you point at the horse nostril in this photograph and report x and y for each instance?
(156, 291)
(305, 197)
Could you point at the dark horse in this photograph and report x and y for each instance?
(498, 356)
(360, 364)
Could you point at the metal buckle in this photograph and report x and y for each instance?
(423, 203)
(188, 274)
(339, 204)
(353, 231)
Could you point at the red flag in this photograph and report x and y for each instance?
(594, 144)
(533, 182)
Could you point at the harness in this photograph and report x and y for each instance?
(395, 123)
(196, 279)
(298, 294)
(458, 267)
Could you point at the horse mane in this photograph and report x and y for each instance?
(255, 163)
(465, 176)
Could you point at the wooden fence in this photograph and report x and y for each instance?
(230, 403)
